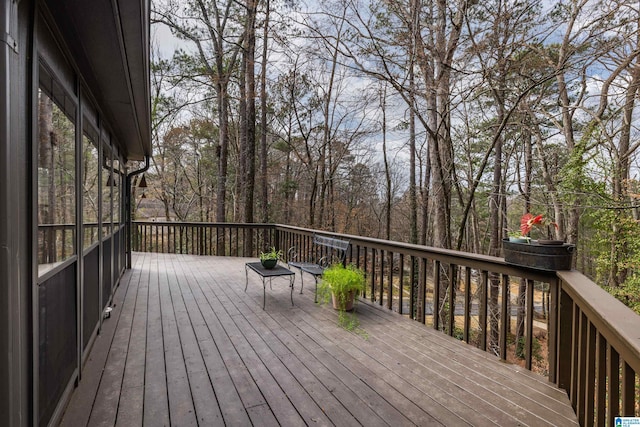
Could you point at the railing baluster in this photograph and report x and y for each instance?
(381, 278)
(390, 280)
(453, 279)
(484, 308)
(64, 244)
(237, 240)
(436, 295)
(401, 285)
(628, 390)
(413, 288)
(467, 304)
(422, 292)
(160, 232)
(211, 251)
(613, 373)
(202, 240)
(530, 286)
(191, 237)
(582, 368)
(601, 381)
(590, 365)
(575, 352)
(505, 316)
(372, 276)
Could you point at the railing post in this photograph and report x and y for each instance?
(560, 348)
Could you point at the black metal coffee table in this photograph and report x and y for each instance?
(276, 271)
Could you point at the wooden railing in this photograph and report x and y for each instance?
(599, 355)
(56, 242)
(560, 324)
(198, 238)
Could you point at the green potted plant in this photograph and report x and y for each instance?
(269, 259)
(341, 284)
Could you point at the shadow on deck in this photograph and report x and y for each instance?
(185, 345)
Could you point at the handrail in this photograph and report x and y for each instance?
(593, 344)
(443, 255)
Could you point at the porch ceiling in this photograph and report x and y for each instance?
(109, 40)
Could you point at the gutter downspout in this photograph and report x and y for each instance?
(127, 204)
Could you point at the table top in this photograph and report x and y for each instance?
(278, 270)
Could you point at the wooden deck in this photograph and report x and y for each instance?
(185, 345)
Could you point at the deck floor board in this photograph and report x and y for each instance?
(186, 345)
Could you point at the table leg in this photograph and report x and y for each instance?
(246, 277)
(292, 280)
(264, 293)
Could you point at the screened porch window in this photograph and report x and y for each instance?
(56, 174)
(90, 188)
(56, 178)
(109, 182)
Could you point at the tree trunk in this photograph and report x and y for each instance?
(46, 211)
(264, 185)
(619, 245)
(387, 171)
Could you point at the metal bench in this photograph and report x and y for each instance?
(325, 252)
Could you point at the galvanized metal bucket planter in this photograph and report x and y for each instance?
(548, 257)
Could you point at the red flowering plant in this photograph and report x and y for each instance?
(529, 221)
